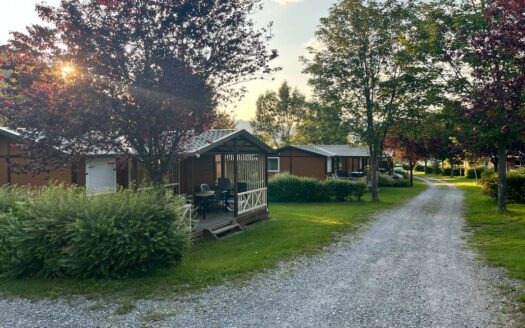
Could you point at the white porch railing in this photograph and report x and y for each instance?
(252, 200)
(187, 214)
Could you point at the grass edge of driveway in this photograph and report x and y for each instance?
(294, 230)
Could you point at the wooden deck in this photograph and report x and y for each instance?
(215, 218)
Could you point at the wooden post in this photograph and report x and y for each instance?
(222, 167)
(235, 180)
(265, 170)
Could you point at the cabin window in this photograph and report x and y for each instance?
(274, 164)
(329, 165)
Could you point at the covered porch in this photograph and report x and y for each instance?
(225, 176)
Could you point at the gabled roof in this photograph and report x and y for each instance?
(224, 141)
(208, 141)
(333, 150)
(9, 133)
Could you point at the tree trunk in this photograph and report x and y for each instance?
(502, 177)
(411, 165)
(451, 170)
(374, 182)
(426, 160)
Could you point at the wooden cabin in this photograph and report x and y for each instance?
(233, 161)
(323, 161)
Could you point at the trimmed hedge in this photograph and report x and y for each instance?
(387, 181)
(515, 191)
(433, 170)
(472, 172)
(419, 168)
(341, 190)
(291, 188)
(60, 231)
(447, 170)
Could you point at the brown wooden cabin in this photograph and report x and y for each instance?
(233, 156)
(322, 161)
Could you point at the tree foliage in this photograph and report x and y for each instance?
(277, 114)
(122, 75)
(321, 124)
(478, 49)
(365, 68)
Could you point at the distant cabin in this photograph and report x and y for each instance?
(322, 161)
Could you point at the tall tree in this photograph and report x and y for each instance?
(224, 120)
(277, 114)
(364, 67)
(131, 76)
(480, 51)
(322, 124)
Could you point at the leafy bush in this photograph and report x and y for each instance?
(60, 231)
(447, 170)
(10, 196)
(402, 171)
(433, 170)
(473, 172)
(419, 168)
(341, 190)
(290, 188)
(387, 181)
(515, 191)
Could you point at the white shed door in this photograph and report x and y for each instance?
(101, 175)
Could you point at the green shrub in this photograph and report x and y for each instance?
(341, 190)
(402, 171)
(471, 173)
(516, 187)
(433, 170)
(60, 231)
(290, 188)
(515, 191)
(11, 196)
(387, 181)
(419, 168)
(447, 170)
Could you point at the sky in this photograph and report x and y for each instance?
(295, 22)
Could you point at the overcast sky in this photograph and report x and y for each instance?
(295, 22)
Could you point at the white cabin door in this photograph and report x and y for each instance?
(101, 175)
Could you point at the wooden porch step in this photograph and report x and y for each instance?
(224, 229)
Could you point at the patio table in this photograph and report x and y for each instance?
(202, 198)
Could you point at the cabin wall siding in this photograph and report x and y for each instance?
(196, 171)
(62, 175)
(303, 164)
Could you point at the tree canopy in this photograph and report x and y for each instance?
(122, 75)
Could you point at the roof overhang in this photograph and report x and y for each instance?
(240, 141)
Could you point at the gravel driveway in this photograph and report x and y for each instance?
(408, 268)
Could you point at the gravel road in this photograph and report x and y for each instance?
(408, 268)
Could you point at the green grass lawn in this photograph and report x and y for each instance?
(499, 237)
(294, 229)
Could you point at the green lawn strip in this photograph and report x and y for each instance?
(499, 237)
(294, 229)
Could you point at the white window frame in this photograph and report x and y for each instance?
(329, 165)
(278, 165)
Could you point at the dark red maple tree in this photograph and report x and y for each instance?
(496, 106)
(114, 76)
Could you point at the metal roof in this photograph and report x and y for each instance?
(222, 141)
(9, 133)
(208, 141)
(334, 150)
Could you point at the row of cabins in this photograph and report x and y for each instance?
(221, 159)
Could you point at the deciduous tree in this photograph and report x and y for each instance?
(366, 69)
(277, 114)
(131, 75)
